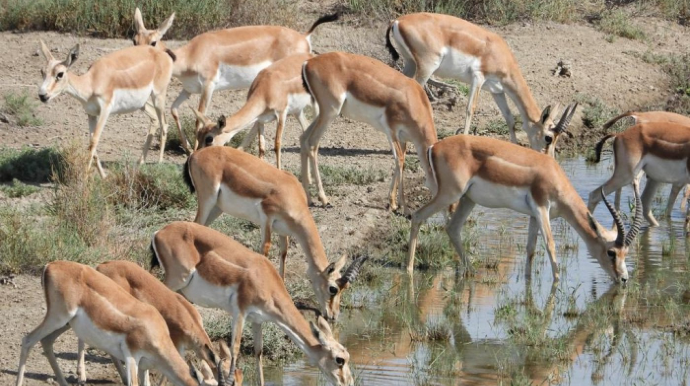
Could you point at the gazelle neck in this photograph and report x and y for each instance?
(311, 244)
(79, 86)
(293, 323)
(575, 212)
(523, 99)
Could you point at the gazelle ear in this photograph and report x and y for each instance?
(224, 349)
(194, 372)
(46, 51)
(139, 21)
(317, 333)
(166, 25)
(595, 227)
(336, 265)
(72, 56)
(221, 122)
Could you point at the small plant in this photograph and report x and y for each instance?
(23, 108)
(339, 175)
(149, 186)
(173, 142)
(596, 113)
(19, 189)
(678, 69)
(618, 23)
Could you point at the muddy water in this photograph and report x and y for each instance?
(497, 328)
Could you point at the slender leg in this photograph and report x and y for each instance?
(437, 203)
(279, 137)
(262, 140)
(675, 189)
(399, 150)
(647, 197)
(93, 120)
(475, 87)
(237, 325)
(283, 242)
(533, 232)
(49, 329)
(132, 371)
(249, 137)
(184, 95)
(159, 104)
(258, 351)
(205, 102)
(266, 236)
(152, 131)
(120, 369)
(545, 229)
(96, 135)
(309, 142)
(686, 196)
(143, 376)
(454, 230)
(502, 103)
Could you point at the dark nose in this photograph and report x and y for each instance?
(624, 280)
(43, 98)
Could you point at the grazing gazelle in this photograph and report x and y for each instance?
(183, 320)
(120, 82)
(213, 270)
(364, 89)
(275, 93)
(498, 174)
(660, 149)
(646, 117)
(107, 317)
(232, 181)
(226, 59)
(455, 48)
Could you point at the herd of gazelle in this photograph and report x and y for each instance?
(123, 310)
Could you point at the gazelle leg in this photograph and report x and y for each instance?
(647, 197)
(266, 236)
(309, 142)
(205, 102)
(475, 87)
(283, 242)
(159, 104)
(149, 109)
(51, 327)
(132, 369)
(96, 135)
(237, 325)
(279, 137)
(249, 137)
(533, 232)
(81, 367)
(672, 196)
(258, 351)
(120, 368)
(184, 95)
(545, 228)
(454, 230)
(262, 140)
(502, 103)
(437, 203)
(143, 376)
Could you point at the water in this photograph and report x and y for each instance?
(496, 328)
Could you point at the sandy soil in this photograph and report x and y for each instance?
(605, 70)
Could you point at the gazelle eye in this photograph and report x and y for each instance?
(611, 253)
(340, 361)
(59, 75)
(548, 139)
(333, 290)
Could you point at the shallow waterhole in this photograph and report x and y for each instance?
(497, 328)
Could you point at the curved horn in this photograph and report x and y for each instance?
(221, 377)
(616, 219)
(637, 221)
(352, 271)
(562, 125)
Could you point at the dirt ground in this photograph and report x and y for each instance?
(600, 69)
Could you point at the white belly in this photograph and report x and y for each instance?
(107, 341)
(128, 100)
(360, 111)
(201, 292)
(671, 171)
(235, 77)
(491, 195)
(458, 65)
(297, 103)
(235, 205)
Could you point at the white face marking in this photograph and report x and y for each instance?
(128, 100)
(670, 171)
(360, 111)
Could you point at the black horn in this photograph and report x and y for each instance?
(352, 271)
(616, 219)
(567, 116)
(637, 221)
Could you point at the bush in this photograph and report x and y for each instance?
(19, 189)
(29, 165)
(106, 18)
(618, 23)
(149, 186)
(23, 108)
(679, 71)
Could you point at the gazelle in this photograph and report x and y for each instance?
(497, 174)
(655, 116)
(107, 317)
(119, 82)
(275, 93)
(660, 149)
(183, 320)
(213, 270)
(364, 89)
(226, 59)
(455, 48)
(232, 181)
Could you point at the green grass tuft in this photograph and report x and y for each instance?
(18, 189)
(617, 23)
(23, 108)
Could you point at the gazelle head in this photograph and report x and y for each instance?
(558, 130)
(331, 357)
(208, 130)
(540, 131)
(145, 37)
(203, 377)
(55, 76)
(333, 283)
(611, 254)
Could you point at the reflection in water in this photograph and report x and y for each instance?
(497, 328)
